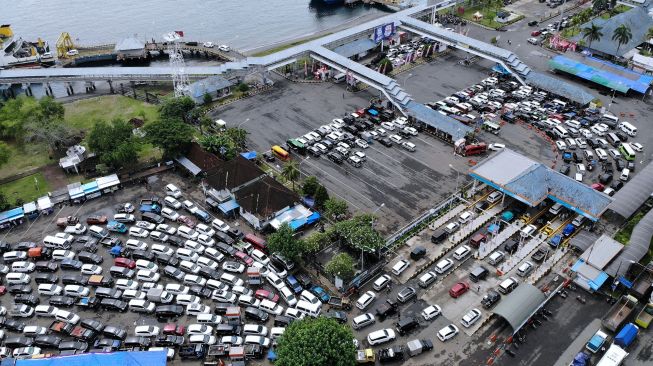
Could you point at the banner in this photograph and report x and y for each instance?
(383, 32)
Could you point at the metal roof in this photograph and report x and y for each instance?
(602, 252)
(519, 305)
(128, 358)
(637, 19)
(208, 85)
(640, 241)
(354, 66)
(356, 47)
(584, 239)
(563, 88)
(532, 182)
(438, 120)
(632, 195)
(189, 165)
(129, 44)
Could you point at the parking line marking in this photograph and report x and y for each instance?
(350, 188)
(407, 167)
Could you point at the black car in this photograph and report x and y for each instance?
(114, 304)
(235, 233)
(482, 206)
(110, 241)
(167, 260)
(46, 278)
(225, 238)
(565, 169)
(169, 311)
(386, 309)
(47, 341)
(256, 314)
(200, 291)
(169, 340)
(220, 308)
(86, 239)
(26, 299)
(226, 249)
(73, 345)
(511, 246)
(86, 257)
(605, 178)
(209, 272)
(61, 301)
(134, 341)
(336, 157)
(622, 136)
(620, 164)
(18, 341)
(68, 263)
(174, 273)
(339, 316)
(152, 217)
(24, 245)
(114, 332)
(46, 266)
(386, 142)
(490, 299)
(14, 325)
(19, 289)
(107, 343)
(417, 253)
(533, 23)
(92, 325)
(631, 166)
(540, 254)
(175, 241)
(282, 321)
(74, 279)
(578, 158)
(226, 329)
(616, 185)
(142, 254)
(193, 352)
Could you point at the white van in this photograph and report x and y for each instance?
(573, 123)
(496, 257)
(625, 174)
(560, 131)
(339, 78)
(462, 252)
(15, 278)
(271, 307)
(525, 269)
(494, 196)
(601, 154)
(98, 231)
(464, 217)
(54, 242)
(208, 319)
(309, 309)
(173, 191)
(555, 209)
(628, 128)
(451, 227)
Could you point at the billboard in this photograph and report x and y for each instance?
(384, 31)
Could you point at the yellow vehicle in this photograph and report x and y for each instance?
(365, 356)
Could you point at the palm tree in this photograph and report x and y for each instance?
(649, 35)
(622, 35)
(291, 173)
(592, 33)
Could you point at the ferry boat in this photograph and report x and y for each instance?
(17, 52)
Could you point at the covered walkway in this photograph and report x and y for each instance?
(630, 198)
(520, 305)
(640, 241)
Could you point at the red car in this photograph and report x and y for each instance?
(262, 294)
(124, 262)
(535, 33)
(458, 289)
(174, 329)
(3, 290)
(244, 258)
(598, 186)
(183, 219)
(96, 220)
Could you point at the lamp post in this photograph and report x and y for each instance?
(457, 175)
(372, 226)
(242, 123)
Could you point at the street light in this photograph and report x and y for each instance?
(242, 123)
(457, 175)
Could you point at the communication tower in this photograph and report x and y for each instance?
(179, 77)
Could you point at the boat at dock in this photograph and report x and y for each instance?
(17, 52)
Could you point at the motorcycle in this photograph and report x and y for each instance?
(581, 299)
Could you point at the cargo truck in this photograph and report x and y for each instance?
(619, 312)
(417, 346)
(644, 317)
(365, 356)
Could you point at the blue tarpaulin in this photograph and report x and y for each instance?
(313, 218)
(12, 214)
(624, 281)
(228, 206)
(494, 228)
(90, 187)
(249, 155)
(373, 112)
(626, 335)
(297, 223)
(142, 358)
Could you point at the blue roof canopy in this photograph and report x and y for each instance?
(249, 155)
(90, 187)
(141, 358)
(228, 206)
(12, 214)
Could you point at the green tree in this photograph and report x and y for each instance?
(599, 5)
(114, 143)
(207, 98)
(17, 114)
(4, 204)
(282, 241)
(622, 35)
(202, 122)
(220, 145)
(385, 66)
(316, 242)
(172, 136)
(238, 136)
(5, 153)
(242, 87)
(341, 265)
(359, 233)
(291, 172)
(309, 186)
(592, 33)
(335, 209)
(648, 36)
(316, 342)
(177, 109)
(321, 196)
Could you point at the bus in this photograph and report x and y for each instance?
(491, 127)
(280, 153)
(475, 149)
(627, 152)
(294, 144)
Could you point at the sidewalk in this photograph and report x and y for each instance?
(474, 224)
(486, 248)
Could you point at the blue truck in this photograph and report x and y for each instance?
(150, 205)
(116, 226)
(568, 230)
(596, 342)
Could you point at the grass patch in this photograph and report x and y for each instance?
(288, 45)
(149, 153)
(623, 235)
(24, 157)
(617, 10)
(83, 113)
(488, 17)
(26, 189)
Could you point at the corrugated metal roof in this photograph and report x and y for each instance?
(129, 44)
(438, 120)
(637, 19)
(640, 241)
(560, 87)
(192, 168)
(632, 195)
(517, 307)
(208, 85)
(532, 182)
(354, 48)
(602, 252)
(583, 240)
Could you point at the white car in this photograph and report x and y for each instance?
(186, 232)
(534, 41)
(207, 262)
(388, 126)
(259, 256)
(220, 225)
(46, 311)
(126, 284)
(361, 143)
(67, 316)
(145, 225)
(196, 308)
(146, 331)
(202, 339)
(177, 289)
(23, 267)
(396, 139)
(133, 294)
(91, 269)
(637, 146)
(365, 300)
(147, 276)
(145, 264)
(400, 266)
(166, 229)
(204, 229)
(258, 340)
(61, 254)
(496, 147)
(205, 240)
(199, 329)
(34, 330)
(76, 291)
(561, 145)
(189, 206)
(470, 318)
(381, 336)
(189, 267)
(232, 340)
(135, 244)
(208, 44)
(224, 48)
(49, 289)
(72, 52)
(234, 267)
(172, 202)
(431, 312)
(447, 332)
(410, 131)
(408, 146)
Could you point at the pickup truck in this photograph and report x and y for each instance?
(365, 356)
(150, 205)
(391, 354)
(62, 222)
(61, 327)
(88, 302)
(386, 309)
(116, 226)
(644, 317)
(619, 312)
(596, 342)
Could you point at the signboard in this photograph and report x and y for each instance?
(383, 32)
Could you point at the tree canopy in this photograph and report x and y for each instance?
(114, 143)
(172, 136)
(316, 342)
(177, 109)
(358, 233)
(341, 265)
(5, 153)
(310, 185)
(335, 209)
(283, 242)
(219, 144)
